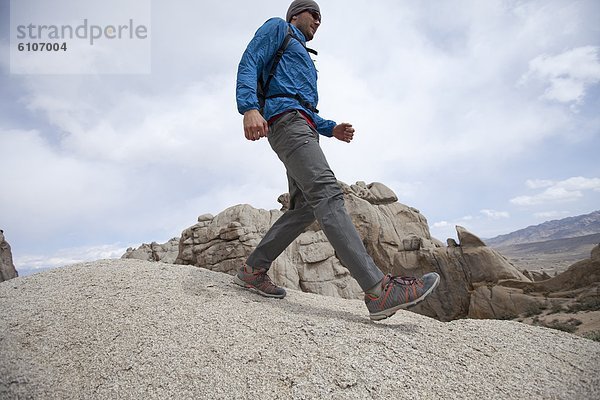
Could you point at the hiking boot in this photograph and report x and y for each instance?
(258, 281)
(399, 293)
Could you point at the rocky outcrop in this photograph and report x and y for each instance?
(463, 266)
(397, 237)
(166, 252)
(511, 298)
(477, 281)
(579, 276)
(467, 239)
(7, 268)
(536, 276)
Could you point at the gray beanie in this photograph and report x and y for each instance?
(299, 6)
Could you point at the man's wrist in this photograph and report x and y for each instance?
(249, 107)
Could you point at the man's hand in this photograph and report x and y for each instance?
(344, 132)
(255, 125)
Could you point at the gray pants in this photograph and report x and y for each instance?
(314, 194)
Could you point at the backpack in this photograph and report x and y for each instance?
(262, 89)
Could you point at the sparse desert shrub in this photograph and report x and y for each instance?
(567, 326)
(587, 304)
(528, 289)
(556, 308)
(594, 335)
(533, 309)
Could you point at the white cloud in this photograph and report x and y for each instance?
(135, 128)
(568, 75)
(538, 183)
(493, 214)
(581, 183)
(562, 191)
(446, 91)
(50, 188)
(550, 195)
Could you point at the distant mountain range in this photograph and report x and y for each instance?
(553, 245)
(571, 227)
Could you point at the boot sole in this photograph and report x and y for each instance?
(251, 288)
(378, 316)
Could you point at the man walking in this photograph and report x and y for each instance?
(286, 114)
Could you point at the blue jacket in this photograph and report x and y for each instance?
(295, 74)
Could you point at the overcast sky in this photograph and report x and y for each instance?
(483, 114)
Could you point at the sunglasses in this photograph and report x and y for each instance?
(315, 14)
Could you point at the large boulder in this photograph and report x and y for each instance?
(7, 268)
(462, 270)
(467, 239)
(498, 302)
(222, 243)
(397, 237)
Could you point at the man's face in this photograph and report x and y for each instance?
(308, 22)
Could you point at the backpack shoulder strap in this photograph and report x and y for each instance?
(291, 33)
(263, 89)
